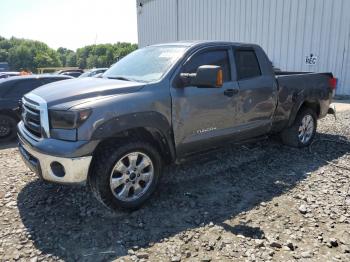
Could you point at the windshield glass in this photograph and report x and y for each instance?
(147, 64)
(86, 74)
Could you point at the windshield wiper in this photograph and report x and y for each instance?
(125, 79)
(120, 78)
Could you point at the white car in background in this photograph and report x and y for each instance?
(93, 72)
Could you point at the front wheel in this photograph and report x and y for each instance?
(7, 128)
(124, 176)
(303, 130)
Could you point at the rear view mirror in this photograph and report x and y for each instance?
(207, 76)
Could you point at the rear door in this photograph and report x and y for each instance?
(257, 92)
(201, 117)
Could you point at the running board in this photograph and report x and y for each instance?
(201, 155)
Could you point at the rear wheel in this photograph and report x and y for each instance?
(124, 176)
(303, 130)
(7, 128)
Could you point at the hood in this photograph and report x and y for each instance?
(71, 90)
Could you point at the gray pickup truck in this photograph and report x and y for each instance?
(159, 105)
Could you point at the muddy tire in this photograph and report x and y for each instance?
(124, 176)
(8, 128)
(303, 130)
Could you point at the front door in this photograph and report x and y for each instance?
(201, 117)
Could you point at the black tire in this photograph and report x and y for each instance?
(8, 129)
(290, 136)
(103, 164)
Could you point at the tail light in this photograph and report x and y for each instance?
(333, 83)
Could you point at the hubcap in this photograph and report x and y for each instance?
(131, 176)
(306, 129)
(5, 128)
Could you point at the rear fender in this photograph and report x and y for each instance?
(298, 105)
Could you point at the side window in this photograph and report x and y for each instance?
(247, 64)
(214, 57)
(22, 87)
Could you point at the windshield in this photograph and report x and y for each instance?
(147, 64)
(86, 74)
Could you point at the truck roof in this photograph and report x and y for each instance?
(193, 43)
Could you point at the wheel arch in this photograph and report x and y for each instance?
(314, 105)
(151, 125)
(149, 134)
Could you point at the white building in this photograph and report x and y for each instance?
(298, 35)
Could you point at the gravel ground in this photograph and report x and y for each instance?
(257, 202)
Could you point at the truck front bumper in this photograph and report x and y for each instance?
(56, 169)
(63, 169)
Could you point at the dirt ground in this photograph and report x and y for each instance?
(256, 202)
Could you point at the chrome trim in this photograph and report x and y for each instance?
(44, 114)
(27, 132)
(28, 104)
(29, 109)
(76, 168)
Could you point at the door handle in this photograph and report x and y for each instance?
(231, 92)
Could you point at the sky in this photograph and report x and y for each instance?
(69, 23)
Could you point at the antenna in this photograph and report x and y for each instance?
(95, 39)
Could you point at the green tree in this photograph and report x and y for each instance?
(3, 55)
(47, 59)
(29, 54)
(20, 57)
(71, 59)
(64, 54)
(103, 55)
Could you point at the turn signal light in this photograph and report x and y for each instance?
(219, 78)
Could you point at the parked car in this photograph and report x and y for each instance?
(8, 74)
(74, 74)
(4, 66)
(11, 91)
(71, 72)
(98, 75)
(93, 72)
(162, 104)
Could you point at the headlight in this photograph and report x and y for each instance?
(61, 119)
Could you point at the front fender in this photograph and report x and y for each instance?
(150, 120)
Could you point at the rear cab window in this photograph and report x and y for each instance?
(247, 64)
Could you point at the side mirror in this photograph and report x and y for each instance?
(207, 76)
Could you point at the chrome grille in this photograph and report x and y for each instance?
(31, 117)
(35, 116)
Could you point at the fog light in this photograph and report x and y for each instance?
(57, 169)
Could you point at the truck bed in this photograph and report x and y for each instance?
(296, 86)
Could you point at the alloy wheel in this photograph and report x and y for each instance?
(306, 129)
(131, 176)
